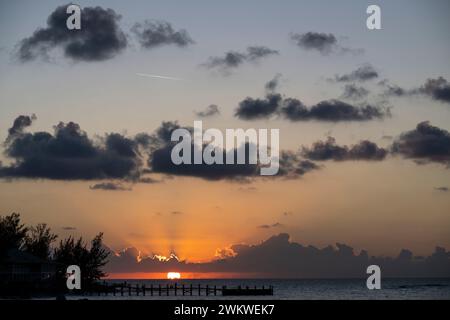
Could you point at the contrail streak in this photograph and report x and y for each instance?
(158, 77)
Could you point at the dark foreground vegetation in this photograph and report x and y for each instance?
(31, 264)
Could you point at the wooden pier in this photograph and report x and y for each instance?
(175, 289)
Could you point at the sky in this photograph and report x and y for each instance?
(322, 59)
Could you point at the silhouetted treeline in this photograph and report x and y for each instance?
(30, 250)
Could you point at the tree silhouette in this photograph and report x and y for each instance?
(90, 261)
(38, 241)
(97, 258)
(12, 233)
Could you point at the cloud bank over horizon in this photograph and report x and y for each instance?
(278, 257)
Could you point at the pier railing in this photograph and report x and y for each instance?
(175, 289)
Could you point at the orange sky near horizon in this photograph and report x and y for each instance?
(372, 206)
(184, 275)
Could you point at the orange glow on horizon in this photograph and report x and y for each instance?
(185, 275)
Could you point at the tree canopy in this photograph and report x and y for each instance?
(37, 240)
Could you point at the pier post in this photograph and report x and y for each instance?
(207, 290)
(183, 289)
(175, 288)
(143, 289)
(159, 288)
(199, 292)
(167, 289)
(191, 289)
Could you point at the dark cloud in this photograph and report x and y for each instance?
(332, 111)
(366, 150)
(210, 111)
(363, 73)
(437, 89)
(443, 189)
(305, 166)
(329, 150)
(250, 109)
(293, 109)
(269, 226)
(325, 43)
(322, 42)
(425, 144)
(110, 186)
(325, 150)
(272, 85)
(354, 92)
(160, 159)
(394, 90)
(100, 37)
(233, 59)
(160, 162)
(153, 34)
(258, 52)
(69, 154)
(20, 123)
(293, 260)
(164, 132)
(290, 165)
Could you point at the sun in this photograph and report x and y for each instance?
(173, 275)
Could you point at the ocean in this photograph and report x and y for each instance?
(301, 289)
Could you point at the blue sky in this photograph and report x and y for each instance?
(411, 47)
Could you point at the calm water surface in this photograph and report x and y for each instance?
(307, 289)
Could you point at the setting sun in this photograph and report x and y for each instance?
(173, 275)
